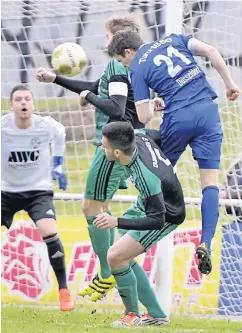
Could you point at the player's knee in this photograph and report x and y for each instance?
(92, 207)
(106, 205)
(113, 258)
(85, 205)
(47, 227)
(209, 177)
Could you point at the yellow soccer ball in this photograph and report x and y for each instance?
(68, 59)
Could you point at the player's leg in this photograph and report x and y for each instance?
(155, 314)
(121, 259)
(206, 149)
(39, 205)
(101, 241)
(146, 294)
(102, 182)
(132, 281)
(176, 131)
(8, 208)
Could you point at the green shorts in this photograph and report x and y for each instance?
(147, 238)
(103, 177)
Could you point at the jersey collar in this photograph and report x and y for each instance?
(133, 159)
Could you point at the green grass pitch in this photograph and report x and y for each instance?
(31, 320)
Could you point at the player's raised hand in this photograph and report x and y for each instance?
(83, 94)
(233, 92)
(158, 104)
(45, 75)
(105, 221)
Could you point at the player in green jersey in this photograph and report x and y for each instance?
(159, 209)
(113, 98)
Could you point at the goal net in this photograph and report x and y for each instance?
(30, 31)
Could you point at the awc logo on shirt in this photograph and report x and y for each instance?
(23, 159)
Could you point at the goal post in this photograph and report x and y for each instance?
(30, 31)
(174, 20)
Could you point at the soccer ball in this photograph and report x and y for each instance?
(68, 59)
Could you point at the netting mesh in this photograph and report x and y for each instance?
(30, 31)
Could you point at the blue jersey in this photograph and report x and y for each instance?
(167, 66)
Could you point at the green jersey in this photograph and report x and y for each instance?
(160, 193)
(113, 68)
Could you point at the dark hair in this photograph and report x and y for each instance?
(20, 87)
(121, 136)
(122, 40)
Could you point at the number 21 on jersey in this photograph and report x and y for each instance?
(171, 51)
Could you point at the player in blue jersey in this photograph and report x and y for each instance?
(190, 116)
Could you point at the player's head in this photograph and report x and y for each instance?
(22, 102)
(115, 24)
(118, 140)
(124, 46)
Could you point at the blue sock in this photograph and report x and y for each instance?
(210, 213)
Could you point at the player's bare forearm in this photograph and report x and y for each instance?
(219, 64)
(144, 112)
(205, 50)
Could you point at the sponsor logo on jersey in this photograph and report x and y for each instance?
(23, 159)
(25, 263)
(35, 142)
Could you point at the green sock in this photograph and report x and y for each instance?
(101, 242)
(127, 288)
(145, 292)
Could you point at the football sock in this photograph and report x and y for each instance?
(210, 213)
(101, 242)
(127, 288)
(57, 258)
(146, 294)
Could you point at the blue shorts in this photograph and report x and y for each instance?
(197, 125)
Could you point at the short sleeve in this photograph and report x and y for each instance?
(140, 87)
(188, 42)
(185, 39)
(118, 85)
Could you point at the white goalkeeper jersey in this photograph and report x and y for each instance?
(25, 155)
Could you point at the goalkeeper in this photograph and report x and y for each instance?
(114, 102)
(159, 209)
(26, 183)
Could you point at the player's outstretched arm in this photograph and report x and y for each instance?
(77, 86)
(114, 107)
(205, 50)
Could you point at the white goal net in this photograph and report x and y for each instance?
(30, 31)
